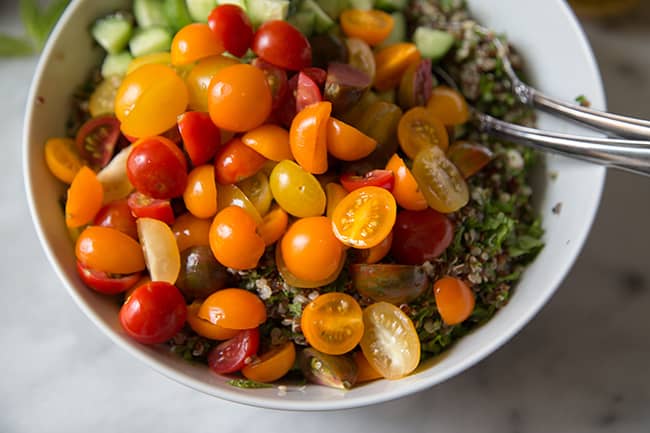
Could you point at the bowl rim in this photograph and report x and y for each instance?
(264, 402)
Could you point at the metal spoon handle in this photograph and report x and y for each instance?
(628, 155)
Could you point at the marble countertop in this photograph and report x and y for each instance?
(580, 366)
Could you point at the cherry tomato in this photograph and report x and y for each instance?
(391, 63)
(239, 98)
(416, 84)
(235, 162)
(272, 365)
(286, 110)
(154, 313)
(143, 206)
(365, 371)
(276, 79)
(232, 355)
(231, 195)
(375, 254)
(381, 178)
(317, 75)
(114, 179)
(448, 105)
(233, 309)
(161, 58)
(294, 281)
(440, 181)
(205, 328)
(160, 249)
(396, 284)
(310, 251)
(364, 217)
(102, 100)
(270, 141)
(96, 140)
(282, 45)
(273, 226)
(308, 137)
(191, 231)
(157, 167)
(84, 200)
(109, 250)
(257, 189)
(335, 193)
(421, 236)
(63, 159)
(148, 106)
(346, 142)
(117, 214)
(200, 195)
(361, 56)
(406, 190)
(201, 274)
(232, 27)
(454, 300)
(198, 79)
(390, 342)
(200, 137)
(103, 282)
(371, 26)
(418, 129)
(233, 239)
(307, 92)
(194, 42)
(297, 191)
(468, 157)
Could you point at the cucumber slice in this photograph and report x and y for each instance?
(113, 32)
(391, 5)
(200, 9)
(398, 34)
(116, 64)
(322, 21)
(150, 40)
(240, 3)
(260, 11)
(303, 21)
(362, 4)
(333, 8)
(149, 13)
(433, 44)
(177, 14)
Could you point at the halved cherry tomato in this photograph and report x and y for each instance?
(418, 129)
(332, 323)
(62, 158)
(406, 190)
(317, 75)
(85, 197)
(154, 313)
(375, 254)
(201, 138)
(361, 57)
(271, 365)
(161, 253)
(109, 250)
(468, 157)
(231, 195)
(233, 309)
(397, 284)
(421, 236)
(271, 141)
(371, 26)
(117, 214)
(281, 44)
(234, 240)
(232, 27)
(96, 140)
(273, 226)
(415, 85)
(257, 189)
(335, 193)
(143, 206)
(346, 142)
(364, 217)
(366, 372)
(194, 42)
(308, 137)
(102, 100)
(191, 231)
(206, 329)
(103, 282)
(391, 62)
(157, 167)
(235, 162)
(114, 179)
(307, 92)
(454, 300)
(200, 195)
(448, 105)
(239, 98)
(232, 355)
(297, 191)
(198, 80)
(381, 178)
(276, 79)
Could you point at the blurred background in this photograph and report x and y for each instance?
(580, 366)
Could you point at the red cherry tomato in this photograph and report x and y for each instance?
(235, 162)
(317, 74)
(201, 137)
(117, 214)
(105, 283)
(381, 178)
(420, 235)
(287, 106)
(307, 92)
(96, 140)
(143, 206)
(281, 44)
(276, 79)
(232, 27)
(231, 355)
(157, 167)
(154, 312)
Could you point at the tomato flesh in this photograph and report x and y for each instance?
(97, 138)
(232, 355)
(307, 92)
(421, 236)
(103, 282)
(143, 206)
(380, 178)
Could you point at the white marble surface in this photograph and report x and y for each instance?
(580, 366)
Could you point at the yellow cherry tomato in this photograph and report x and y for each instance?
(62, 158)
(391, 63)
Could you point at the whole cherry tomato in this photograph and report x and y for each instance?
(448, 105)
(198, 79)
(232, 27)
(454, 299)
(234, 240)
(231, 355)
(201, 138)
(381, 178)
(235, 162)
(194, 42)
(103, 282)
(281, 44)
(233, 309)
(420, 236)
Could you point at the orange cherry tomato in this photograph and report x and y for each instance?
(310, 250)
(274, 225)
(335, 193)
(454, 300)
(294, 281)
(149, 100)
(239, 98)
(364, 217)
(405, 190)
(371, 26)
(365, 371)
(391, 63)
(200, 195)
(271, 141)
(346, 142)
(233, 309)
(191, 231)
(198, 79)
(235, 162)
(194, 42)
(109, 250)
(332, 323)
(271, 365)
(448, 105)
(418, 129)
(308, 137)
(233, 239)
(468, 157)
(204, 328)
(376, 253)
(231, 195)
(85, 197)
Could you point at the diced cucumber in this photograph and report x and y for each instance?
(391, 5)
(303, 21)
(240, 3)
(178, 16)
(116, 64)
(432, 43)
(113, 32)
(322, 21)
(333, 8)
(149, 13)
(200, 9)
(150, 40)
(362, 4)
(260, 11)
(398, 34)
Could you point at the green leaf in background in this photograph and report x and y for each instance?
(38, 23)
(11, 46)
(29, 15)
(49, 18)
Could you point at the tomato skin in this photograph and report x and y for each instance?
(274, 225)
(233, 309)
(468, 157)
(235, 162)
(191, 231)
(143, 206)
(282, 45)
(371, 26)
(199, 78)
(391, 63)
(109, 250)
(194, 42)
(276, 79)
(271, 141)
(307, 92)
(420, 236)
(232, 27)
(96, 140)
(317, 75)
(406, 190)
(381, 178)
(200, 196)
(85, 197)
(205, 328)
(233, 239)
(157, 167)
(231, 355)
(347, 143)
(455, 300)
(308, 137)
(271, 365)
(296, 190)
(440, 181)
(201, 137)
(117, 214)
(448, 105)
(154, 313)
(104, 283)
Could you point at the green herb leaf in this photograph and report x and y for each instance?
(248, 384)
(11, 46)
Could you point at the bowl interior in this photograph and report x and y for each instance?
(559, 62)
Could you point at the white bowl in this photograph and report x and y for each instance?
(559, 61)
